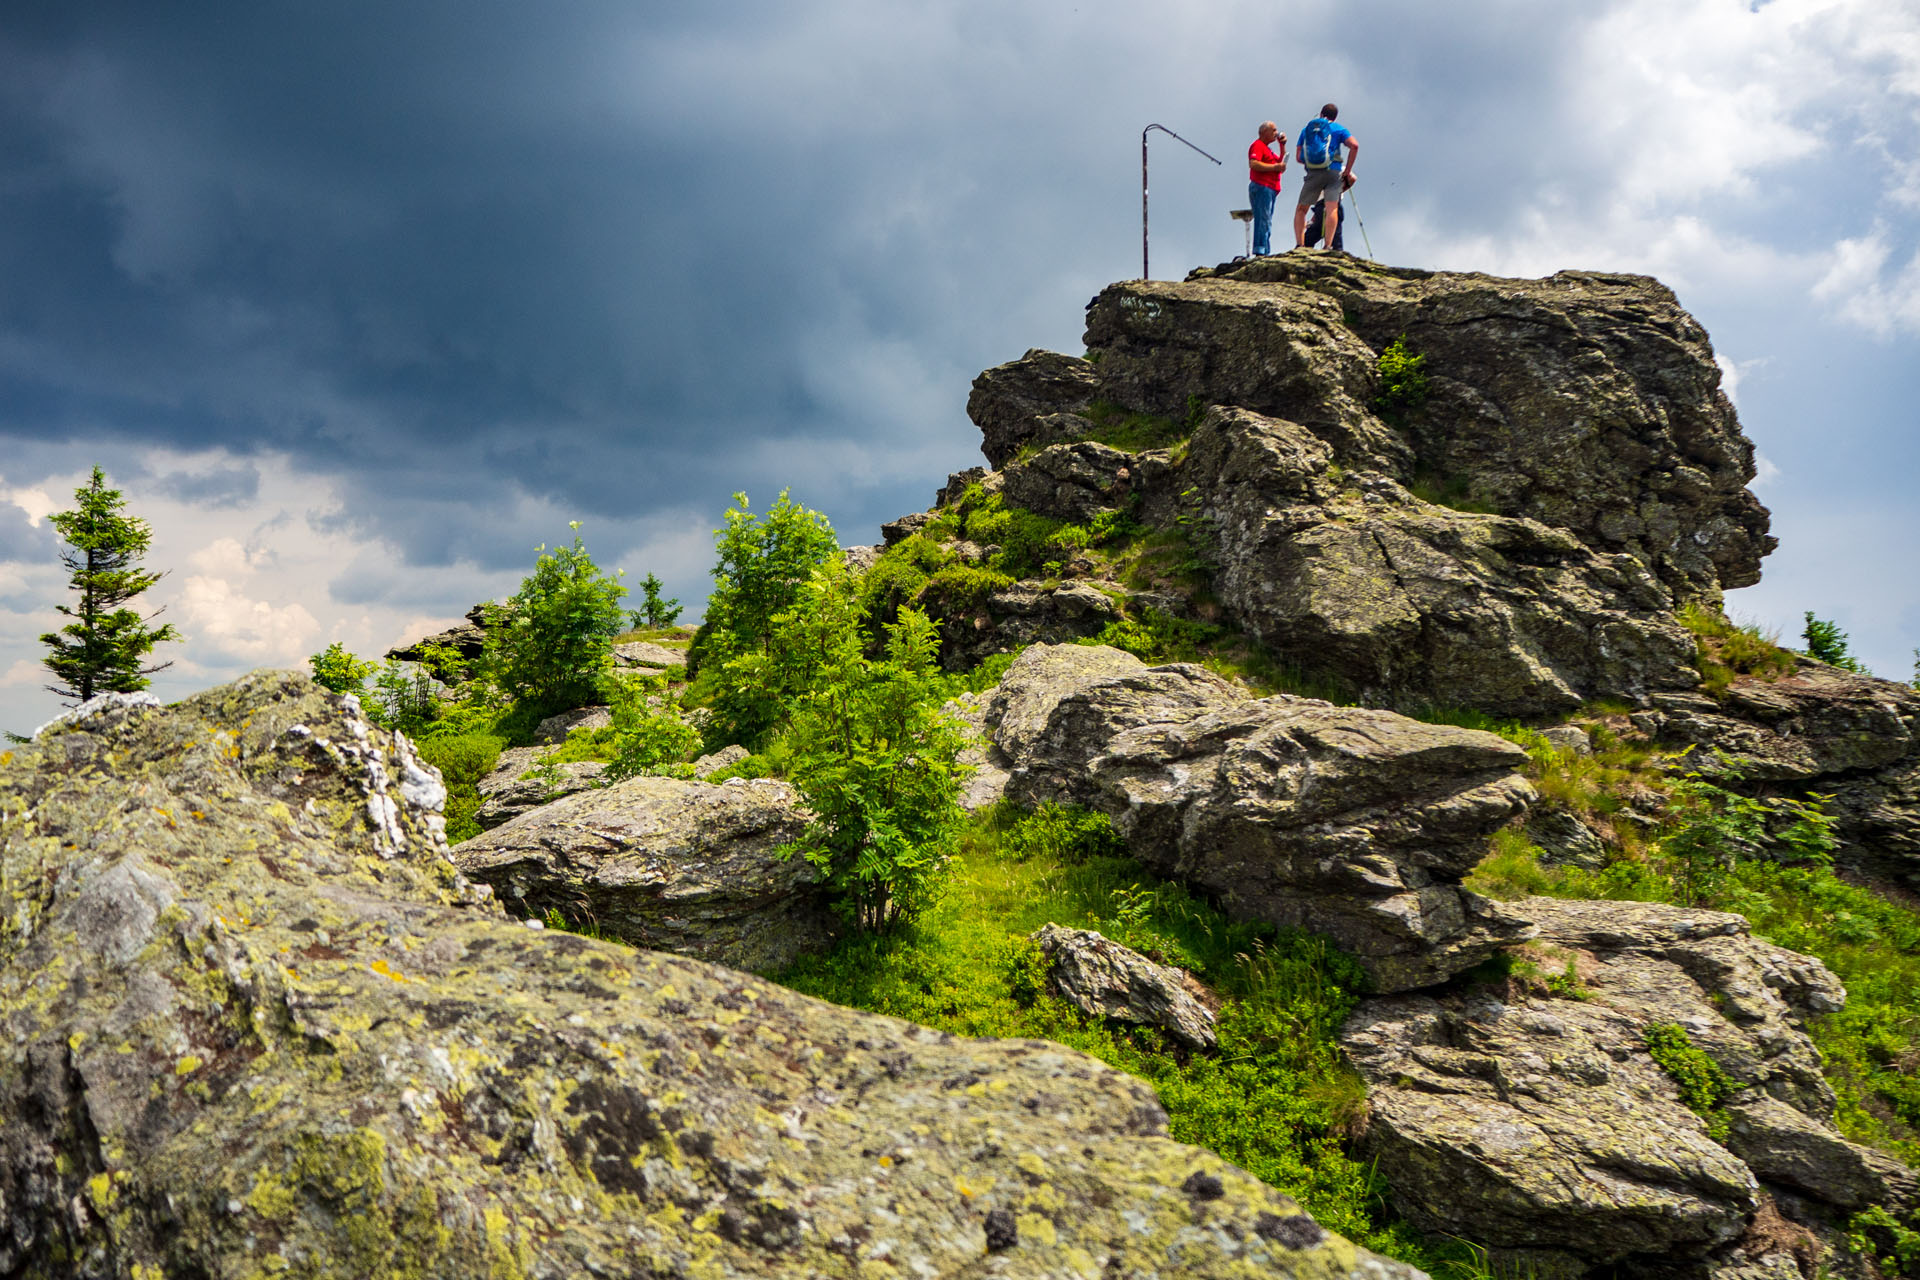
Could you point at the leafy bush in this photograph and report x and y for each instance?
(552, 645)
(764, 565)
(650, 736)
(1827, 643)
(1403, 381)
(336, 669)
(873, 754)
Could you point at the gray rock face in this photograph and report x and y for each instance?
(1404, 600)
(725, 758)
(1544, 1128)
(256, 1014)
(1031, 400)
(1076, 482)
(1355, 823)
(681, 866)
(1818, 729)
(1098, 975)
(505, 794)
(469, 637)
(1587, 402)
(554, 729)
(646, 655)
(1582, 414)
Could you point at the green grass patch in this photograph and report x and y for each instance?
(1455, 492)
(1136, 432)
(1275, 1099)
(1725, 649)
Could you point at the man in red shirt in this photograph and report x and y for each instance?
(1264, 167)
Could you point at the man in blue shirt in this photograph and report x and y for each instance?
(1328, 174)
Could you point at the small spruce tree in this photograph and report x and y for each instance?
(655, 610)
(104, 649)
(1827, 643)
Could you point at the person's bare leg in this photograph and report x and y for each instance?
(1330, 223)
(1299, 225)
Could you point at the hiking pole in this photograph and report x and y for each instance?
(1362, 223)
(1143, 185)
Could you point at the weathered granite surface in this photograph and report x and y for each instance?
(258, 1023)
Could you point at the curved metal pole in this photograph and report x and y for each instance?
(1143, 185)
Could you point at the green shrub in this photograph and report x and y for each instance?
(764, 564)
(336, 669)
(552, 645)
(1703, 1085)
(1827, 643)
(1134, 432)
(650, 735)
(1403, 382)
(873, 754)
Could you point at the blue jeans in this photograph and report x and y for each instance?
(1262, 199)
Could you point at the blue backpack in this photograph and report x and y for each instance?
(1316, 150)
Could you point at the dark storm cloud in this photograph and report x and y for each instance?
(20, 540)
(216, 488)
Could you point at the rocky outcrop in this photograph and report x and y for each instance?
(1097, 975)
(646, 656)
(469, 638)
(517, 784)
(681, 866)
(256, 1019)
(1351, 822)
(553, 730)
(1585, 401)
(1816, 730)
(1578, 417)
(1544, 1129)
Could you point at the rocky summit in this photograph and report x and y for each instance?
(259, 1025)
(1514, 537)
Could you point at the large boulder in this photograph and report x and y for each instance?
(258, 1023)
(1347, 821)
(469, 638)
(681, 866)
(1542, 1128)
(1406, 601)
(1586, 474)
(519, 783)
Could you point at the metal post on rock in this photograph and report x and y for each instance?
(1143, 184)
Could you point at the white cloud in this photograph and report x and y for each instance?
(1861, 289)
(226, 558)
(24, 671)
(35, 502)
(217, 615)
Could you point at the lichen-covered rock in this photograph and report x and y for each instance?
(507, 792)
(554, 729)
(1407, 601)
(1816, 730)
(725, 758)
(1588, 402)
(650, 657)
(258, 1024)
(681, 866)
(1099, 976)
(1351, 822)
(1543, 1128)
(1077, 482)
(1034, 400)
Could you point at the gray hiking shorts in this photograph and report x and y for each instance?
(1319, 184)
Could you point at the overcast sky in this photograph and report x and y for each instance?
(359, 302)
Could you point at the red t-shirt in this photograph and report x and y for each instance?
(1264, 154)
